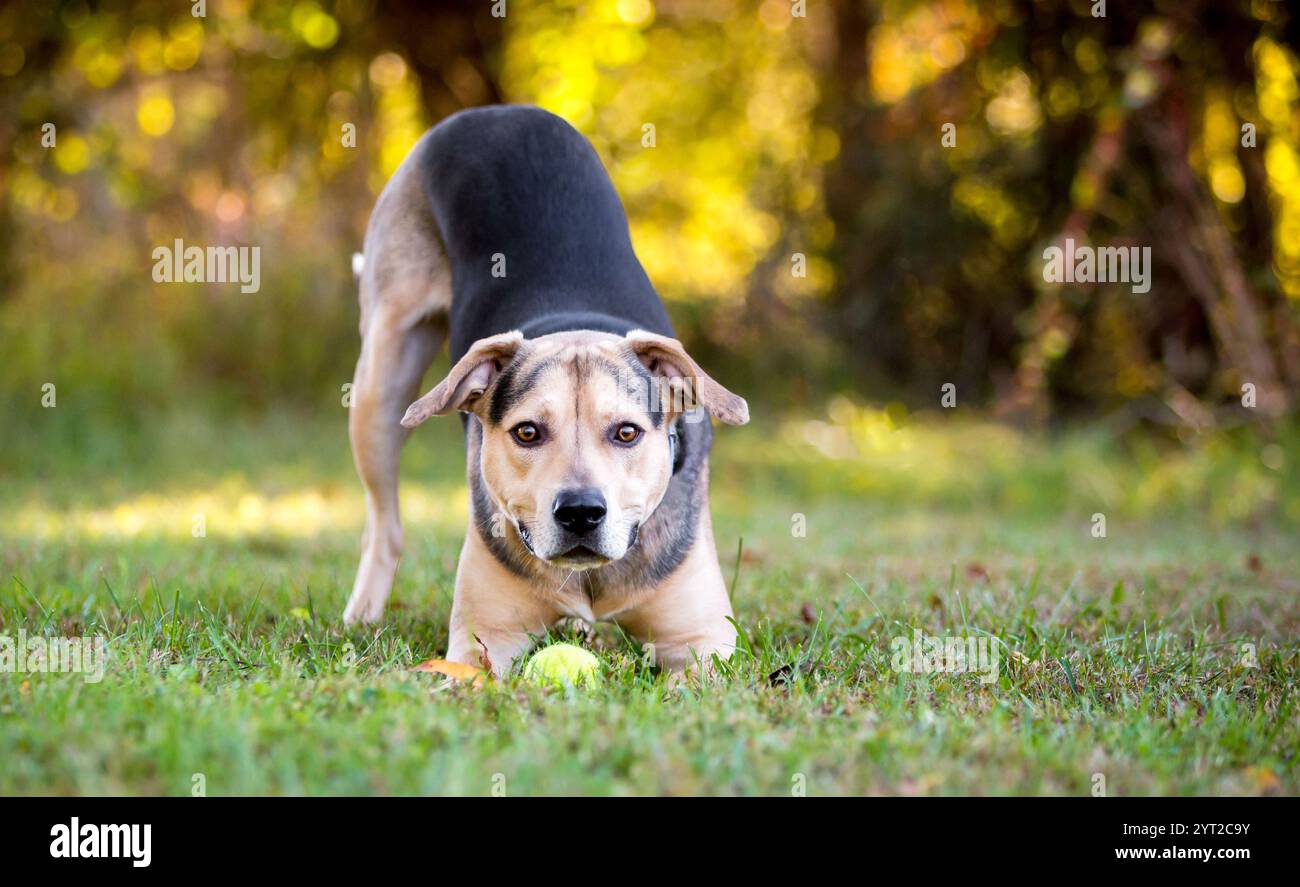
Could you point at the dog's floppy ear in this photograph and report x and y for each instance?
(468, 379)
(667, 358)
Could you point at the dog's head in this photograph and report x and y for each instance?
(577, 427)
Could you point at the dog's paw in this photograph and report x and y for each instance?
(362, 613)
(574, 628)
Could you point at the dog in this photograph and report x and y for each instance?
(586, 422)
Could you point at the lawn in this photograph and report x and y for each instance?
(1159, 659)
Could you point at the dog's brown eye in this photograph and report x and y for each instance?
(627, 433)
(526, 433)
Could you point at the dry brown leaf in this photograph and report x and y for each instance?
(1022, 660)
(783, 676)
(483, 658)
(1264, 780)
(456, 670)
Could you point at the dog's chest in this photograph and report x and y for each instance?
(593, 601)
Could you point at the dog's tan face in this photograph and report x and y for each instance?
(575, 460)
(575, 446)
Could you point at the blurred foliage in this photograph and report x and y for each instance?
(894, 456)
(226, 129)
(1117, 130)
(786, 182)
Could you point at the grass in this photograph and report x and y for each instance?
(1121, 656)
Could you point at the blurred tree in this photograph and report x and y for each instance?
(1065, 125)
(267, 124)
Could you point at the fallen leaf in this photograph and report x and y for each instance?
(782, 676)
(483, 658)
(1265, 780)
(455, 670)
(1022, 660)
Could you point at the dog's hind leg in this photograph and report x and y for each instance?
(405, 294)
(393, 360)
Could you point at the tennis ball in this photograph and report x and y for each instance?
(563, 665)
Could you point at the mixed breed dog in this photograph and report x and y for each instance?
(586, 423)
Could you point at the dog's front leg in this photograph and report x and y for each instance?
(495, 615)
(688, 618)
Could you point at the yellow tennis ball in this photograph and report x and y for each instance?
(563, 665)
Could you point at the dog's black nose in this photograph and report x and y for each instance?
(579, 511)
